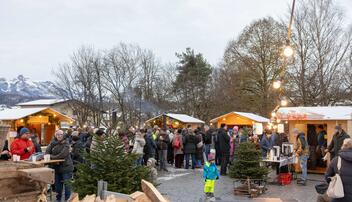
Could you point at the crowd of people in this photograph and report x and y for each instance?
(182, 148)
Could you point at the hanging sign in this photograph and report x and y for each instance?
(280, 128)
(258, 128)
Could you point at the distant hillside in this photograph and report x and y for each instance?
(23, 89)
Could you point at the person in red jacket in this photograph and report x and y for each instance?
(22, 145)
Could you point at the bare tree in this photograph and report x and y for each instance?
(321, 53)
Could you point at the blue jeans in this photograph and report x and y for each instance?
(60, 180)
(207, 150)
(193, 156)
(140, 161)
(303, 162)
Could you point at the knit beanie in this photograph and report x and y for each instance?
(23, 131)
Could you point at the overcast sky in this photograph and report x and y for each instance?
(37, 35)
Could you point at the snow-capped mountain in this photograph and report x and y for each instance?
(22, 89)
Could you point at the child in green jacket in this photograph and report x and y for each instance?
(210, 174)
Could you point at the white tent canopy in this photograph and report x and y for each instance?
(42, 102)
(315, 113)
(18, 113)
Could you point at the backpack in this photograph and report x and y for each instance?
(177, 143)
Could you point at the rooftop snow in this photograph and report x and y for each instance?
(42, 102)
(317, 113)
(181, 117)
(18, 113)
(248, 115)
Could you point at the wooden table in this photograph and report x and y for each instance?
(42, 162)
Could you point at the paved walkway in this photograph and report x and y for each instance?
(181, 185)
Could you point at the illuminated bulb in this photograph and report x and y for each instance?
(278, 120)
(288, 51)
(54, 115)
(21, 120)
(284, 102)
(275, 127)
(273, 114)
(177, 123)
(40, 116)
(277, 84)
(224, 119)
(211, 124)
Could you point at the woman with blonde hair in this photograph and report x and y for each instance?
(345, 171)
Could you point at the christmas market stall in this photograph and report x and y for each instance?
(314, 121)
(42, 121)
(241, 119)
(170, 120)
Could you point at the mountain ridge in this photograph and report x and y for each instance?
(23, 89)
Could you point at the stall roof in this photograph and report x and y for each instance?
(316, 113)
(42, 102)
(180, 117)
(251, 116)
(18, 113)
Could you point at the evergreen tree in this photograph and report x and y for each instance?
(247, 163)
(109, 162)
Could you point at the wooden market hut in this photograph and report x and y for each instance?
(174, 121)
(43, 120)
(307, 120)
(239, 119)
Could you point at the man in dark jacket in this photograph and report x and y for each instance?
(264, 145)
(162, 142)
(224, 143)
(190, 144)
(77, 149)
(207, 140)
(149, 147)
(60, 149)
(337, 141)
(345, 170)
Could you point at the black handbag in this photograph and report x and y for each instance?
(321, 188)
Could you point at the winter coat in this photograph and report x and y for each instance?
(224, 141)
(207, 137)
(321, 139)
(60, 150)
(199, 151)
(264, 145)
(76, 152)
(336, 143)
(345, 173)
(274, 140)
(150, 146)
(210, 171)
(138, 145)
(5, 148)
(162, 142)
(19, 147)
(190, 144)
(177, 150)
(301, 146)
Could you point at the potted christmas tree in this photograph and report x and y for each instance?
(247, 170)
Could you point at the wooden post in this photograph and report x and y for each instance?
(102, 186)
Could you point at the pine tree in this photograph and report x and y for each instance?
(109, 162)
(247, 163)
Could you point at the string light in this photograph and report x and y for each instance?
(284, 102)
(288, 51)
(277, 84)
(273, 114)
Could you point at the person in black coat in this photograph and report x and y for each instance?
(345, 171)
(190, 147)
(60, 149)
(149, 147)
(5, 153)
(77, 149)
(337, 141)
(224, 143)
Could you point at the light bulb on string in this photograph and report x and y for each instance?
(273, 114)
(277, 84)
(288, 51)
(284, 102)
